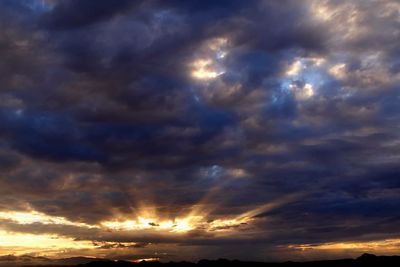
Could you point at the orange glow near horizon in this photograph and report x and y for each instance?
(29, 217)
(46, 244)
(145, 259)
(381, 246)
(39, 244)
(53, 245)
(178, 225)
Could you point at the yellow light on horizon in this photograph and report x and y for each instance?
(26, 242)
(377, 245)
(145, 259)
(57, 245)
(179, 225)
(29, 217)
(187, 224)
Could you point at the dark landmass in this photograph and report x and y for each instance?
(28, 261)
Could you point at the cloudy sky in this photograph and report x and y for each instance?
(180, 130)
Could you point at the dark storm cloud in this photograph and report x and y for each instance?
(99, 114)
(75, 14)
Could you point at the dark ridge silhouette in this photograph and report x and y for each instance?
(30, 261)
(363, 260)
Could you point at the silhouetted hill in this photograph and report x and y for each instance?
(26, 260)
(363, 260)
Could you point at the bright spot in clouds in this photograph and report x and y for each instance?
(302, 92)
(294, 68)
(204, 69)
(321, 10)
(137, 128)
(338, 71)
(209, 65)
(302, 76)
(178, 225)
(36, 217)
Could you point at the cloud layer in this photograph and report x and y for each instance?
(258, 127)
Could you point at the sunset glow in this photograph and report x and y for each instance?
(386, 246)
(257, 130)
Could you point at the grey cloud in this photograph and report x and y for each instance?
(99, 114)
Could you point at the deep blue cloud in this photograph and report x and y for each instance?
(298, 102)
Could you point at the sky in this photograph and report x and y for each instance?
(181, 130)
